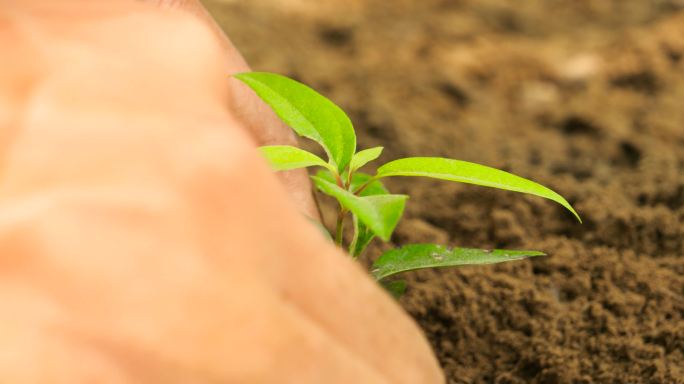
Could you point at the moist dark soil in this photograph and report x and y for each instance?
(586, 97)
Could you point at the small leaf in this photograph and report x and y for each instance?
(362, 158)
(380, 213)
(471, 173)
(396, 288)
(419, 256)
(307, 112)
(285, 157)
(326, 175)
(362, 237)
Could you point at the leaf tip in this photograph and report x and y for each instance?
(572, 210)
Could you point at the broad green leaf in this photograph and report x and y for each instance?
(307, 112)
(380, 213)
(358, 179)
(362, 158)
(396, 288)
(285, 157)
(471, 173)
(419, 256)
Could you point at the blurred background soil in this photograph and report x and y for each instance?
(586, 97)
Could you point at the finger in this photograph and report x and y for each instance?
(253, 113)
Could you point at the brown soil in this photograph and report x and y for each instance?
(586, 97)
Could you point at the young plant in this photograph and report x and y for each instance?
(375, 211)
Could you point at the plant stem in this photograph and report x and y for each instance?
(339, 232)
(355, 239)
(339, 181)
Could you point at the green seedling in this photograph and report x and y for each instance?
(375, 211)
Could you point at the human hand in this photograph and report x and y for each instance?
(249, 110)
(143, 239)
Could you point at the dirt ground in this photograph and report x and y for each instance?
(586, 97)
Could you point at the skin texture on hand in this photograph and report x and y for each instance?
(143, 238)
(249, 110)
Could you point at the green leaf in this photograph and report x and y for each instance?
(419, 256)
(471, 173)
(396, 288)
(362, 158)
(380, 213)
(326, 175)
(285, 157)
(307, 112)
(362, 237)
